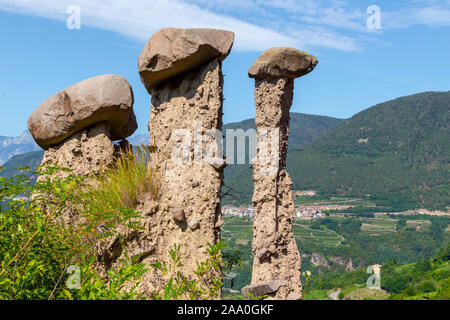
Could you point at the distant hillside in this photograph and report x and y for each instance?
(11, 146)
(396, 152)
(426, 279)
(304, 129)
(20, 152)
(30, 159)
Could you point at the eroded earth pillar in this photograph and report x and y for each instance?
(276, 266)
(182, 70)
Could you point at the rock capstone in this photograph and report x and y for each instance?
(77, 127)
(283, 62)
(106, 98)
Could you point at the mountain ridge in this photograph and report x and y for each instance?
(11, 146)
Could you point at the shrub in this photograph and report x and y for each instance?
(395, 282)
(38, 248)
(440, 274)
(34, 249)
(207, 284)
(426, 286)
(444, 254)
(409, 292)
(423, 265)
(444, 290)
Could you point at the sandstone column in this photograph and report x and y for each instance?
(182, 70)
(276, 267)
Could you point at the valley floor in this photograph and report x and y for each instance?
(338, 246)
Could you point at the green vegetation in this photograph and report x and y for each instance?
(41, 254)
(377, 240)
(364, 240)
(132, 175)
(237, 234)
(426, 279)
(39, 250)
(317, 295)
(404, 163)
(45, 257)
(208, 284)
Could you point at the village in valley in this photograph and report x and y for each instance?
(310, 211)
(308, 207)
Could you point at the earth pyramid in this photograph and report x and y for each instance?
(276, 266)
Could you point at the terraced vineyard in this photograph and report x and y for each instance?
(237, 229)
(327, 238)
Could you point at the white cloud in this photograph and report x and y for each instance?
(139, 19)
(258, 24)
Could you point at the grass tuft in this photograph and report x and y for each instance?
(114, 195)
(133, 175)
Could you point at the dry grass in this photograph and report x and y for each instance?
(111, 198)
(134, 174)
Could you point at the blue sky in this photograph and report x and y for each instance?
(358, 67)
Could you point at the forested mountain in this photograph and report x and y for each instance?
(397, 153)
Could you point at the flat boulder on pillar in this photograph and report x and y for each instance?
(171, 52)
(107, 98)
(263, 288)
(282, 63)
